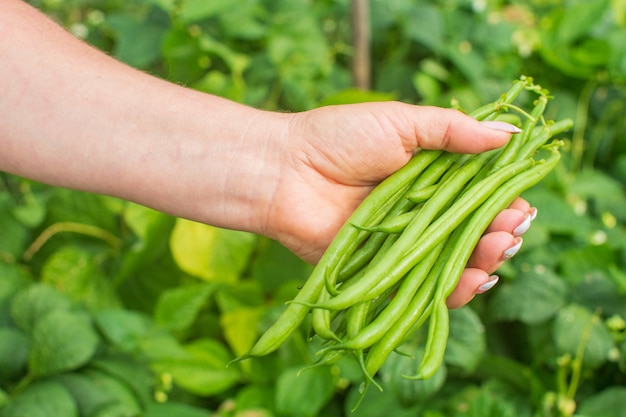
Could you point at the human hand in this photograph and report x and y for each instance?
(334, 156)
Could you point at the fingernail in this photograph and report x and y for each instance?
(493, 280)
(533, 213)
(524, 226)
(501, 126)
(510, 252)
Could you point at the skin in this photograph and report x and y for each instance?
(74, 117)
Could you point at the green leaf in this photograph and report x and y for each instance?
(424, 23)
(124, 329)
(75, 272)
(134, 374)
(375, 403)
(183, 56)
(14, 279)
(211, 253)
(149, 226)
(353, 95)
(556, 215)
(533, 297)
(255, 397)
(35, 302)
(467, 342)
(138, 39)
(4, 399)
(62, 341)
(14, 233)
(576, 326)
(203, 371)
(610, 402)
(240, 329)
(408, 391)
(178, 308)
(170, 409)
(42, 399)
(274, 265)
(89, 396)
(14, 346)
(483, 403)
(303, 394)
(196, 10)
(124, 402)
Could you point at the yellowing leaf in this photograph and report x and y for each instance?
(239, 328)
(211, 253)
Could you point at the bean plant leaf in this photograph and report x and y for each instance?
(35, 302)
(610, 402)
(577, 327)
(124, 401)
(14, 348)
(467, 343)
(149, 226)
(533, 297)
(483, 403)
(124, 329)
(42, 399)
(177, 308)
(138, 39)
(172, 408)
(240, 328)
(14, 233)
(410, 391)
(62, 341)
(303, 394)
(196, 10)
(135, 375)
(211, 253)
(74, 271)
(203, 370)
(14, 279)
(89, 396)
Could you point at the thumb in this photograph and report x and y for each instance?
(452, 131)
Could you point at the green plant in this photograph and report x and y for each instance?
(548, 341)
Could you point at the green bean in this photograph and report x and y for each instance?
(429, 176)
(345, 241)
(321, 320)
(407, 253)
(438, 331)
(491, 111)
(395, 224)
(511, 149)
(422, 195)
(461, 250)
(376, 329)
(541, 137)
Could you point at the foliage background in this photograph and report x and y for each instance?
(153, 308)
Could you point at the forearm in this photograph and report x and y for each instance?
(74, 117)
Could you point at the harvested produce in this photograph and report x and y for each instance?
(391, 267)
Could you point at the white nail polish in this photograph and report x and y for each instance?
(493, 280)
(533, 213)
(510, 252)
(501, 126)
(523, 227)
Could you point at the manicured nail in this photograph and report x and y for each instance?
(524, 226)
(501, 126)
(510, 252)
(533, 213)
(493, 280)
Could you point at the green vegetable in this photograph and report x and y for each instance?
(411, 238)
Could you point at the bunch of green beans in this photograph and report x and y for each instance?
(392, 266)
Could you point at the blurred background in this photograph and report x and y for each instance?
(153, 307)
